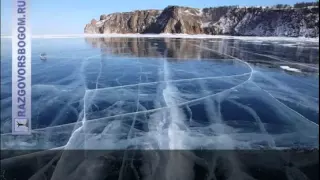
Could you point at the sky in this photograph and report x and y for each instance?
(71, 16)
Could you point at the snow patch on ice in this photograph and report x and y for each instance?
(290, 69)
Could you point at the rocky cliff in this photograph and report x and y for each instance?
(252, 21)
(127, 22)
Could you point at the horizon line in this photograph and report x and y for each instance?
(168, 35)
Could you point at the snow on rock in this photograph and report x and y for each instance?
(205, 24)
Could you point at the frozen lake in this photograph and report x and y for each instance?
(167, 93)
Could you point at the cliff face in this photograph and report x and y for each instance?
(175, 19)
(266, 22)
(128, 22)
(216, 21)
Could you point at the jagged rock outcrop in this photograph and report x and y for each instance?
(267, 22)
(175, 19)
(252, 21)
(127, 22)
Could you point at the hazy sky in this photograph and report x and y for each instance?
(70, 16)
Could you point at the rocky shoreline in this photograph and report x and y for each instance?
(229, 20)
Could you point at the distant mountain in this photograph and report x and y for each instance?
(228, 20)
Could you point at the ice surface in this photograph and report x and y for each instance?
(170, 94)
(165, 94)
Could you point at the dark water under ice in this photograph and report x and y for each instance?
(155, 93)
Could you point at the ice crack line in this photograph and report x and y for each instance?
(175, 118)
(278, 59)
(214, 113)
(170, 81)
(304, 118)
(83, 113)
(262, 128)
(137, 106)
(252, 71)
(232, 57)
(130, 133)
(249, 79)
(145, 111)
